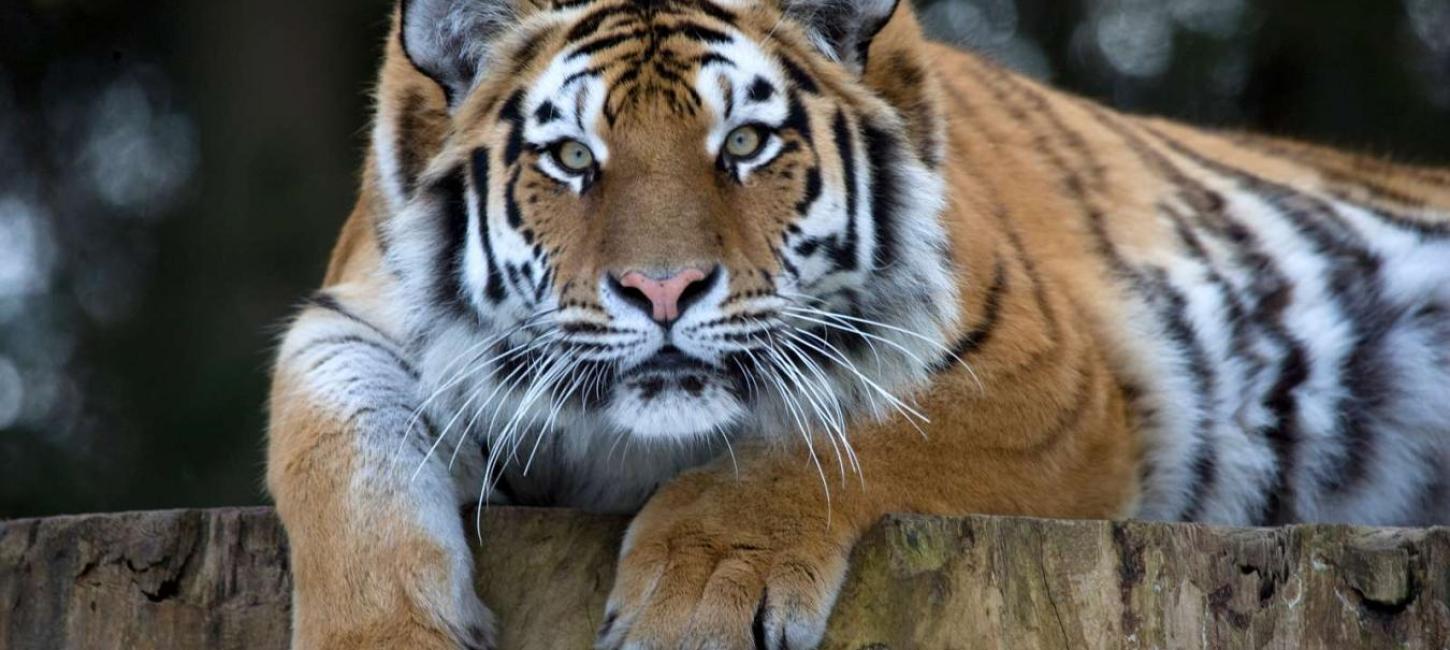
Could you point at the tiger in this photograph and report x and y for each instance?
(760, 272)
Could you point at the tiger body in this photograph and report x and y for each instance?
(1273, 312)
(927, 285)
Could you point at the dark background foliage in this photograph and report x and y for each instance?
(172, 175)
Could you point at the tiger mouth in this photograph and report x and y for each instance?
(670, 370)
(671, 359)
(673, 395)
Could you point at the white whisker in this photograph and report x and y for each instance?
(851, 329)
(471, 355)
(803, 309)
(441, 435)
(835, 401)
(840, 358)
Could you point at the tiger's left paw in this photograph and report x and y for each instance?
(693, 577)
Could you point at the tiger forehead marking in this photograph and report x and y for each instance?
(645, 52)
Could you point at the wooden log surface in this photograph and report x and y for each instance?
(219, 579)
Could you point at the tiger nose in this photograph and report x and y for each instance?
(664, 298)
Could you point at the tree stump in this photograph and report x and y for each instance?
(219, 579)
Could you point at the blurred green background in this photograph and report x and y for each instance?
(172, 175)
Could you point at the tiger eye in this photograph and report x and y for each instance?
(744, 142)
(574, 156)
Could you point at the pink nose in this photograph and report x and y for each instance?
(664, 295)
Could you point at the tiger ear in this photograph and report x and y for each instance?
(842, 29)
(450, 40)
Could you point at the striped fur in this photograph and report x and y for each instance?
(935, 287)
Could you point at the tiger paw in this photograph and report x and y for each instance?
(707, 576)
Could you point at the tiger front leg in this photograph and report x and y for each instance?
(378, 553)
(752, 554)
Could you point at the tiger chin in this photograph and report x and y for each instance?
(760, 272)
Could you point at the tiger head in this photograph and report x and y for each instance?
(671, 218)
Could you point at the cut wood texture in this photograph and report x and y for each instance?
(219, 579)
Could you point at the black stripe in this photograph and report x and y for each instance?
(796, 119)
(928, 137)
(798, 77)
(326, 301)
(1169, 302)
(697, 32)
(883, 154)
(592, 71)
(494, 292)
(590, 24)
(812, 191)
(515, 221)
(716, 11)
(601, 43)
(408, 136)
(676, 82)
(546, 112)
(757, 623)
(982, 332)
(353, 340)
(1421, 227)
(844, 254)
(786, 264)
(512, 112)
(1284, 435)
(513, 272)
(1365, 175)
(448, 191)
(581, 100)
(760, 90)
(729, 92)
(529, 49)
(545, 279)
(1272, 292)
(711, 58)
(514, 216)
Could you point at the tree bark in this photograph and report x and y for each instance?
(219, 579)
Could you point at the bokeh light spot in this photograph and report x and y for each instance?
(1135, 37)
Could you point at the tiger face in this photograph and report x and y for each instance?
(670, 219)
